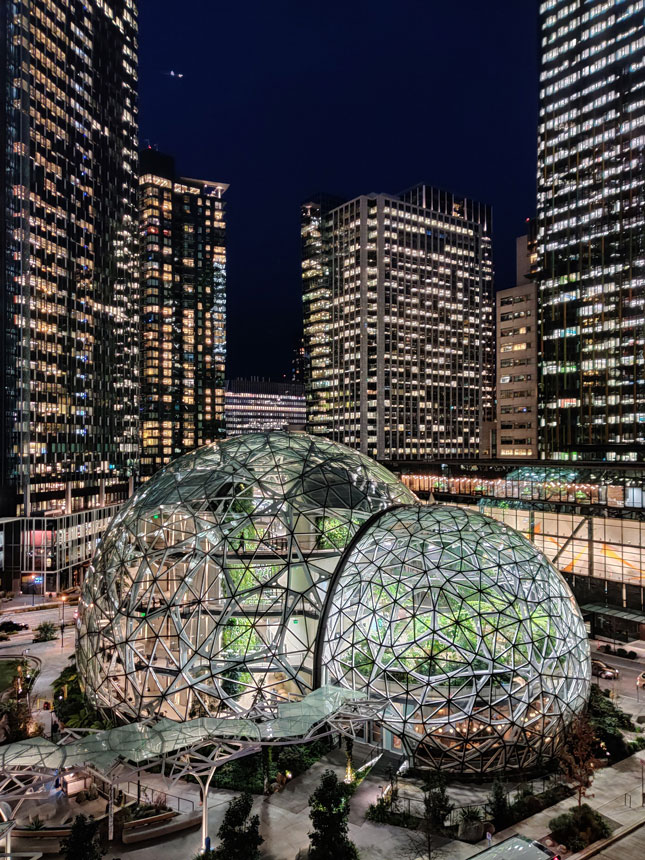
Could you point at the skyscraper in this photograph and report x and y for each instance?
(591, 230)
(317, 309)
(517, 357)
(402, 323)
(69, 302)
(183, 311)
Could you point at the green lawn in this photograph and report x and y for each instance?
(7, 673)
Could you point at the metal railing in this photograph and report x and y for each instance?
(151, 795)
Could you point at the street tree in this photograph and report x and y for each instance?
(576, 758)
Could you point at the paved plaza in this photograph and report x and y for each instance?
(284, 817)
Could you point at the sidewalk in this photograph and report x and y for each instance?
(285, 823)
(615, 793)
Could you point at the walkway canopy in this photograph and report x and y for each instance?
(142, 744)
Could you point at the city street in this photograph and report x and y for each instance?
(625, 686)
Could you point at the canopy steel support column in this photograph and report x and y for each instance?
(204, 788)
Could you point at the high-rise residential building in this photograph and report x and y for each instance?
(68, 298)
(591, 230)
(183, 311)
(517, 370)
(258, 405)
(398, 305)
(298, 363)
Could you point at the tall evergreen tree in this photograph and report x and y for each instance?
(83, 842)
(329, 810)
(239, 831)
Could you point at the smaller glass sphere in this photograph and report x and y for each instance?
(467, 634)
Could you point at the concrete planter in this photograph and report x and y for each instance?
(471, 831)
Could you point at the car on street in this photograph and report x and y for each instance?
(640, 681)
(602, 670)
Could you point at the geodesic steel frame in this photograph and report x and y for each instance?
(207, 589)
(466, 633)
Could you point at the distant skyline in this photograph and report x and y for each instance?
(287, 99)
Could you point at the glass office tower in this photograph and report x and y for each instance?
(183, 311)
(316, 308)
(69, 287)
(591, 230)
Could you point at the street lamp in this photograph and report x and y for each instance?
(62, 623)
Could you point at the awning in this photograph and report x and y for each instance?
(614, 611)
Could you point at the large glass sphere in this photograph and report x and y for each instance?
(465, 632)
(207, 589)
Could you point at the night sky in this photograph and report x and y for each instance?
(282, 99)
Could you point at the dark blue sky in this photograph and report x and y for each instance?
(286, 98)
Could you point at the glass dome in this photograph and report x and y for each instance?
(206, 592)
(467, 634)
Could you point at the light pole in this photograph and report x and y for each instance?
(62, 623)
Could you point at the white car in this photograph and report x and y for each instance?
(640, 681)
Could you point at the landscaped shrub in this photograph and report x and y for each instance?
(636, 745)
(607, 721)
(70, 705)
(579, 827)
(525, 805)
(619, 652)
(379, 812)
(146, 810)
(246, 774)
(292, 759)
(470, 813)
(45, 632)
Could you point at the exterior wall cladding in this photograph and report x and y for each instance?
(69, 410)
(591, 236)
(404, 325)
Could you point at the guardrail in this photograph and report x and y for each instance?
(150, 795)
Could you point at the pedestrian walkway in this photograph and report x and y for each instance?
(616, 793)
(284, 820)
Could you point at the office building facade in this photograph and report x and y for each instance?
(317, 309)
(591, 236)
(69, 302)
(254, 405)
(183, 311)
(403, 325)
(517, 361)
